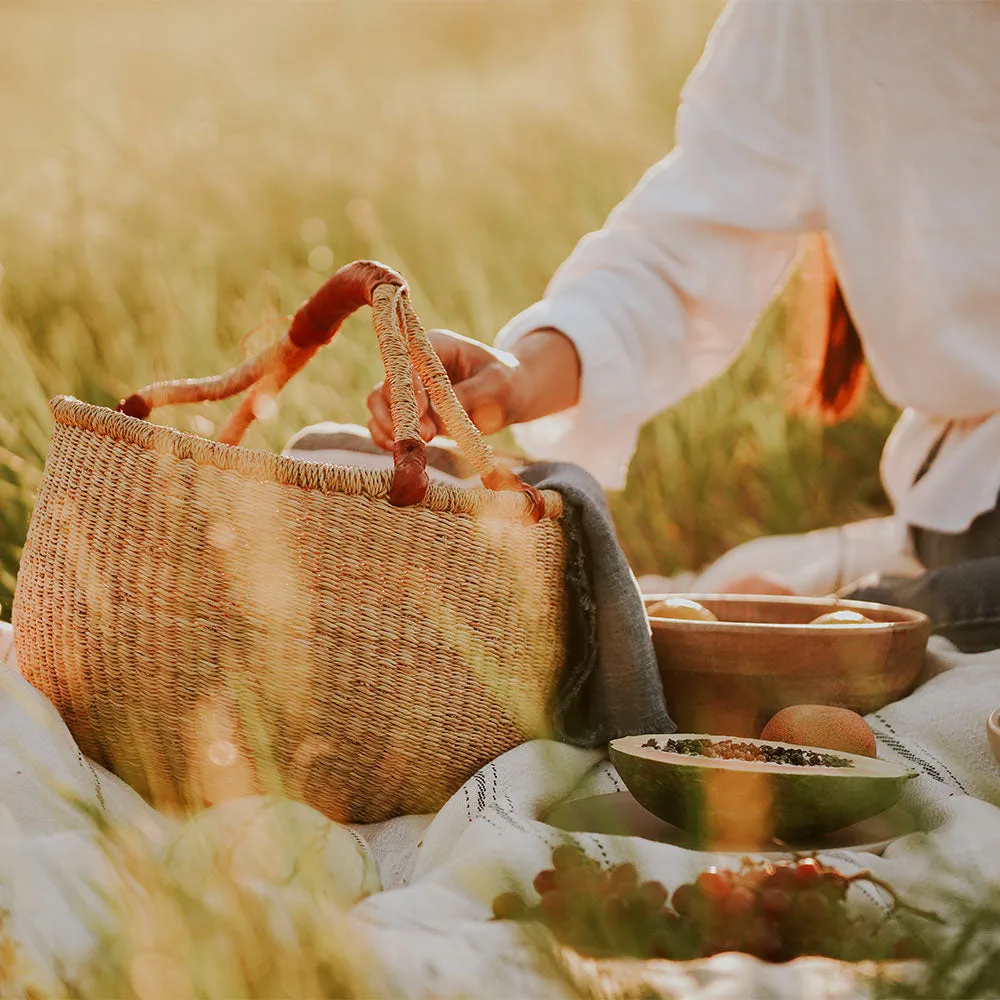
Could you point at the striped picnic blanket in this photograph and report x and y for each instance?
(429, 928)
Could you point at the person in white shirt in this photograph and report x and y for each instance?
(872, 122)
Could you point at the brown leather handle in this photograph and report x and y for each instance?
(399, 335)
(315, 323)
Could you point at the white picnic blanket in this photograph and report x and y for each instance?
(429, 927)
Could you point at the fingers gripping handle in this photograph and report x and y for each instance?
(458, 423)
(409, 453)
(317, 322)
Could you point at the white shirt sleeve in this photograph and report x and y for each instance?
(662, 299)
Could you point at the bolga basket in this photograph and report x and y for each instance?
(212, 621)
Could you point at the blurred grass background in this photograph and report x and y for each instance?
(174, 176)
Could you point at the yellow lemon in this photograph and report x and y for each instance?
(681, 607)
(842, 618)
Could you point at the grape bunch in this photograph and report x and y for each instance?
(773, 911)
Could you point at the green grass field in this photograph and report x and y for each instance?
(171, 178)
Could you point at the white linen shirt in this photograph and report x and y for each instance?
(875, 121)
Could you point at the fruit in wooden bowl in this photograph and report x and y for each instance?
(680, 608)
(842, 618)
(721, 789)
(766, 653)
(822, 726)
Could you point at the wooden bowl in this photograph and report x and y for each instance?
(763, 655)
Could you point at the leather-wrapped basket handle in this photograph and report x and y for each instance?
(403, 345)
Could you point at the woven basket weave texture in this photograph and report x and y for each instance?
(173, 610)
(211, 621)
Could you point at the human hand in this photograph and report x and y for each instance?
(541, 376)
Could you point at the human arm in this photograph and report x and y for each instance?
(661, 299)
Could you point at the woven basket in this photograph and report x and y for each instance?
(211, 620)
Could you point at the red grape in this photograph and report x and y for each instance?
(764, 942)
(715, 885)
(739, 902)
(653, 895)
(545, 881)
(807, 873)
(623, 876)
(616, 909)
(783, 877)
(581, 880)
(568, 856)
(775, 902)
(554, 904)
(776, 912)
(662, 945)
(685, 897)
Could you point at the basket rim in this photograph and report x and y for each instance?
(266, 466)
